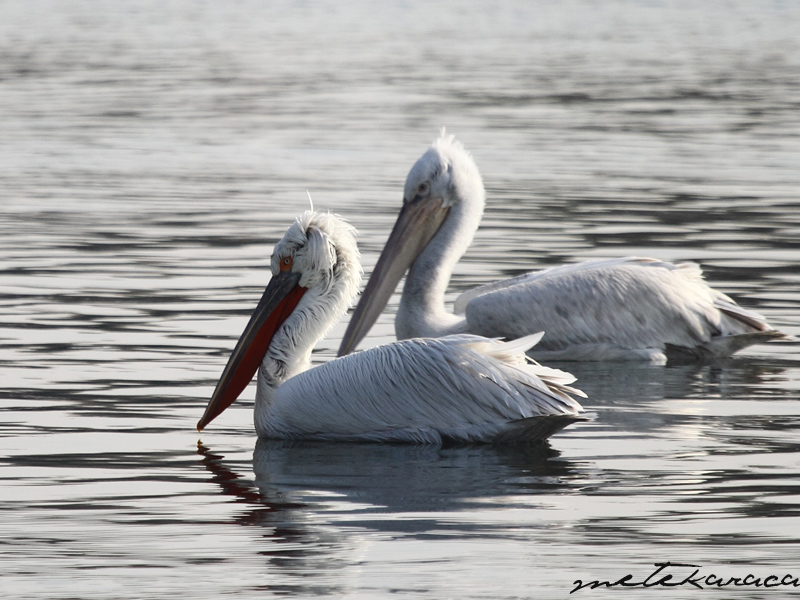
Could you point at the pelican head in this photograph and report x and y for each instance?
(446, 171)
(443, 203)
(315, 276)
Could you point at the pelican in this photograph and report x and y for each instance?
(617, 309)
(460, 388)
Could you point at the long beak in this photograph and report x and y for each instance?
(279, 300)
(418, 222)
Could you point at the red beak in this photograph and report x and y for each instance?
(279, 300)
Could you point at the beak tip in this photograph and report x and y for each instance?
(349, 345)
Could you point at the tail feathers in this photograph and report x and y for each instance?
(513, 354)
(748, 318)
(752, 329)
(729, 345)
(535, 429)
(691, 271)
(557, 387)
(725, 346)
(510, 353)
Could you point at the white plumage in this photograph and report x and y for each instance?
(617, 309)
(462, 388)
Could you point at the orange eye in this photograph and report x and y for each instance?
(286, 264)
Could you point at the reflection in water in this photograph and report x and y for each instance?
(152, 156)
(401, 478)
(705, 401)
(377, 479)
(316, 502)
(294, 544)
(733, 377)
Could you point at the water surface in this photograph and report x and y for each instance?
(153, 152)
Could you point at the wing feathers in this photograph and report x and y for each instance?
(611, 310)
(462, 387)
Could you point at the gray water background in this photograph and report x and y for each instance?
(152, 152)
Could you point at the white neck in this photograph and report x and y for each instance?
(422, 311)
(289, 353)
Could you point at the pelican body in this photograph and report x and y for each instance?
(461, 388)
(618, 309)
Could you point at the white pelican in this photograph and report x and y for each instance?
(460, 388)
(617, 309)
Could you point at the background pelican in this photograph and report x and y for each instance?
(618, 309)
(460, 388)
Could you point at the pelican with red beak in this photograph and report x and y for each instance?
(460, 388)
(614, 309)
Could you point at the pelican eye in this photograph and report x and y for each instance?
(423, 188)
(286, 263)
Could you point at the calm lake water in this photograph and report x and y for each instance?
(152, 152)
